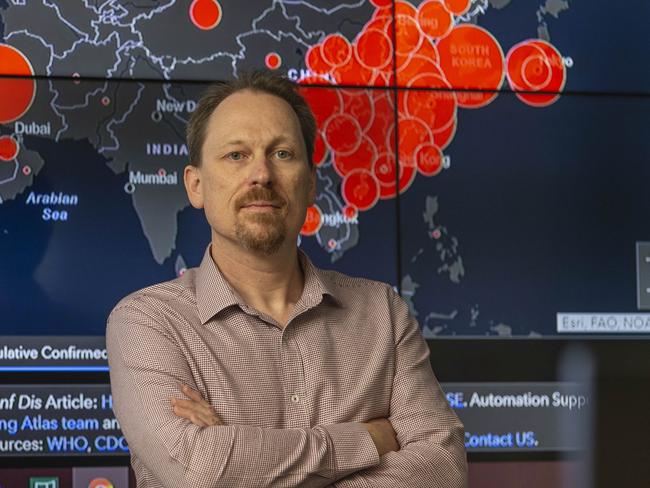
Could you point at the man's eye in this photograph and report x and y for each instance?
(282, 154)
(235, 156)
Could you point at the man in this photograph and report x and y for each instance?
(256, 368)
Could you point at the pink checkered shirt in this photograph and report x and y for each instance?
(292, 399)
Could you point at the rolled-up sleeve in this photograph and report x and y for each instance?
(180, 454)
(431, 437)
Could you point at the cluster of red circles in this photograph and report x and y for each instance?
(413, 48)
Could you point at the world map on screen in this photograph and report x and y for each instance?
(92, 150)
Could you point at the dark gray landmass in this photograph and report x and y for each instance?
(220, 67)
(499, 4)
(258, 45)
(409, 288)
(276, 21)
(12, 179)
(329, 200)
(543, 33)
(157, 206)
(180, 266)
(81, 107)
(326, 17)
(79, 17)
(555, 7)
(189, 42)
(43, 22)
(435, 323)
(502, 330)
(80, 59)
(446, 245)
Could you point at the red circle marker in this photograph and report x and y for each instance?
(362, 158)
(558, 71)
(536, 72)
(443, 138)
(515, 60)
(273, 60)
(162, 172)
(324, 102)
(374, 49)
(408, 35)
(332, 244)
(360, 188)
(458, 7)
(429, 159)
(27, 170)
(384, 170)
(315, 61)
(383, 24)
(205, 14)
(352, 73)
(382, 120)
(412, 133)
(350, 212)
(106, 101)
(536, 65)
(434, 19)
(16, 94)
(405, 8)
(342, 134)
(313, 221)
(471, 57)
(409, 73)
(336, 50)
(435, 108)
(359, 105)
(8, 148)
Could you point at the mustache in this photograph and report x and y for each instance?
(260, 193)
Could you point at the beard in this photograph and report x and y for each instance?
(261, 232)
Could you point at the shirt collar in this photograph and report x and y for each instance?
(214, 293)
(317, 283)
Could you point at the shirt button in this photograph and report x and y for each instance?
(295, 398)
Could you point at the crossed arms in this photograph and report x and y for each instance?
(344, 455)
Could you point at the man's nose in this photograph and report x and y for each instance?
(261, 170)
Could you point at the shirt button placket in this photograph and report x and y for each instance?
(294, 381)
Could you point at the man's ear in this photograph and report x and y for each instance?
(193, 186)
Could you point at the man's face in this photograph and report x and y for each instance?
(254, 181)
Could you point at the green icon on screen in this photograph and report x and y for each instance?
(44, 482)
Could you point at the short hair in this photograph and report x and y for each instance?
(261, 81)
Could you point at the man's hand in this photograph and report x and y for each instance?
(383, 435)
(196, 410)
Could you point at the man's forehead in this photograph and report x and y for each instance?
(251, 105)
(250, 114)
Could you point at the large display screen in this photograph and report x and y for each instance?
(486, 157)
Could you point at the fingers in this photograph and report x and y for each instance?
(196, 410)
(193, 394)
(197, 417)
